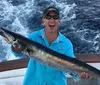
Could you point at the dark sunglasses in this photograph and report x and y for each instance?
(54, 17)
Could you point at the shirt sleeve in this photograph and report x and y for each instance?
(70, 51)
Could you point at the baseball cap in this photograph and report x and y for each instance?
(50, 9)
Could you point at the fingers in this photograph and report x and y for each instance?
(85, 75)
(17, 46)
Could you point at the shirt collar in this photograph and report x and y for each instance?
(57, 40)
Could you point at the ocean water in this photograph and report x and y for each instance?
(80, 22)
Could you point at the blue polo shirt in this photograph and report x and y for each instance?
(40, 74)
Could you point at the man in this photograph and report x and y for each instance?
(37, 73)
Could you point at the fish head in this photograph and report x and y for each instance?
(6, 35)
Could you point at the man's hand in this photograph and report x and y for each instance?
(17, 46)
(85, 75)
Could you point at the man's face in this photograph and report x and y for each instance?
(51, 21)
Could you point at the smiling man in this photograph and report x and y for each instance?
(37, 73)
(51, 20)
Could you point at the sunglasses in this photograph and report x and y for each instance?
(54, 17)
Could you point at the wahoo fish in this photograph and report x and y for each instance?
(50, 57)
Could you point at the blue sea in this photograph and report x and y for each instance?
(80, 22)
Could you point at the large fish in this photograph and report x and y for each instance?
(50, 57)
